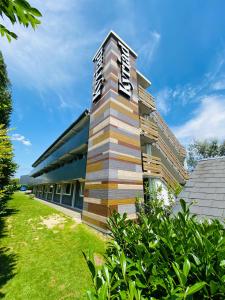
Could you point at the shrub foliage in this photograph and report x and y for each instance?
(162, 257)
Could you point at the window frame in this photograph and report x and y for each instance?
(64, 189)
(81, 189)
(58, 185)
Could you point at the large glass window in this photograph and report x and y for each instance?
(58, 189)
(149, 149)
(67, 189)
(51, 189)
(81, 189)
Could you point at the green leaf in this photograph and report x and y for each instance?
(213, 287)
(123, 264)
(222, 263)
(196, 259)
(183, 205)
(195, 288)
(186, 267)
(178, 273)
(35, 12)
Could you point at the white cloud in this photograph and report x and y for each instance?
(163, 100)
(149, 47)
(208, 121)
(55, 55)
(219, 85)
(20, 138)
(211, 82)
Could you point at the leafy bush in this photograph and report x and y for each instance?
(162, 257)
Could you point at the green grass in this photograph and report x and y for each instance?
(41, 263)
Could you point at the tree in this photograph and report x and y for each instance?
(5, 95)
(18, 11)
(204, 149)
(7, 166)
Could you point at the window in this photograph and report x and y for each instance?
(81, 189)
(51, 189)
(67, 189)
(58, 189)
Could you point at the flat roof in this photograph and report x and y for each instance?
(45, 153)
(112, 33)
(143, 80)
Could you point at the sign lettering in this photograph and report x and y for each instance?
(125, 85)
(98, 76)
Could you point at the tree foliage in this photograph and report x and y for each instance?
(5, 95)
(18, 11)
(7, 166)
(161, 257)
(204, 149)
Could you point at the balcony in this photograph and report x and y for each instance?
(146, 100)
(149, 130)
(168, 153)
(153, 167)
(169, 134)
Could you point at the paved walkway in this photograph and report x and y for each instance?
(69, 212)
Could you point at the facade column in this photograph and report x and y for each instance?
(114, 166)
(53, 192)
(74, 193)
(61, 194)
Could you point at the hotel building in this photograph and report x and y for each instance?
(101, 162)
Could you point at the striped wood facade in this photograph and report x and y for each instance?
(114, 164)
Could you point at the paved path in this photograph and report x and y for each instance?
(69, 212)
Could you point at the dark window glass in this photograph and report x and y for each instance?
(68, 188)
(58, 188)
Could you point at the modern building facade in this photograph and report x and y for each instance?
(101, 162)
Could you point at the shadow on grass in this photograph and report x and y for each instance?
(7, 258)
(7, 267)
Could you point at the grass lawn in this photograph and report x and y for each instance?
(39, 262)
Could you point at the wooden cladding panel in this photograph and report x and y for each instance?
(114, 166)
(149, 129)
(146, 98)
(170, 155)
(170, 135)
(153, 166)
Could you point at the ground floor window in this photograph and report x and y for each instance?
(67, 189)
(51, 189)
(58, 189)
(81, 189)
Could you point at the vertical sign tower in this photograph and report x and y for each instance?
(114, 167)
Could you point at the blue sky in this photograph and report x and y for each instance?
(181, 48)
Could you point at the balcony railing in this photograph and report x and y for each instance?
(169, 134)
(149, 129)
(152, 166)
(172, 158)
(146, 98)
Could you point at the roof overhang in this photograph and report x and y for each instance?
(144, 82)
(113, 34)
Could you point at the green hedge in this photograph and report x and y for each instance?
(162, 257)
